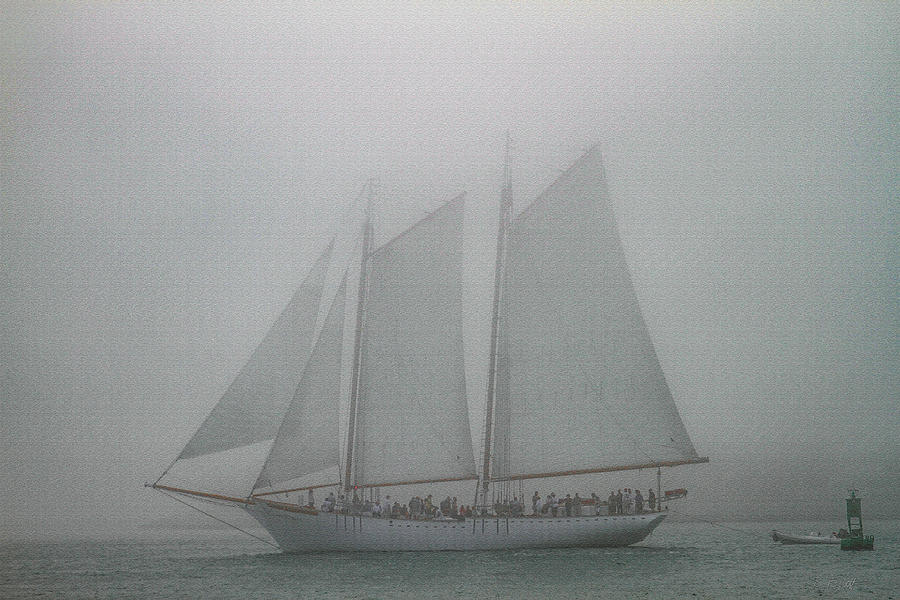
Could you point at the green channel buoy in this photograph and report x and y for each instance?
(856, 540)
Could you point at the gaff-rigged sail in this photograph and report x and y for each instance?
(579, 384)
(251, 409)
(412, 416)
(308, 439)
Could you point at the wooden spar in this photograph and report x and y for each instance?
(505, 214)
(654, 465)
(306, 510)
(418, 481)
(357, 348)
(299, 489)
(201, 494)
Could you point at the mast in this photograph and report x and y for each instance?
(505, 216)
(357, 345)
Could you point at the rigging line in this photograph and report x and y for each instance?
(713, 523)
(171, 464)
(219, 520)
(612, 413)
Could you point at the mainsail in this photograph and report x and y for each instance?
(252, 408)
(579, 386)
(307, 441)
(412, 416)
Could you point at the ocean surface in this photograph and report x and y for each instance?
(679, 560)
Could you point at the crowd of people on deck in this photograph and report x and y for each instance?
(623, 502)
(630, 502)
(618, 503)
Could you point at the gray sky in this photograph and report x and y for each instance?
(170, 171)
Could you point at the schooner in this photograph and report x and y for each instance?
(574, 384)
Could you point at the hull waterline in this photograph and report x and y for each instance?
(329, 532)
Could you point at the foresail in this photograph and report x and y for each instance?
(581, 384)
(251, 409)
(412, 417)
(308, 439)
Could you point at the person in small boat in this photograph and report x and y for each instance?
(651, 500)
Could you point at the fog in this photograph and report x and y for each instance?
(170, 172)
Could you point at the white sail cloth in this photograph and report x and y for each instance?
(308, 439)
(251, 409)
(579, 384)
(412, 417)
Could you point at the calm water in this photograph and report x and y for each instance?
(680, 560)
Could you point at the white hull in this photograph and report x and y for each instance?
(787, 538)
(325, 532)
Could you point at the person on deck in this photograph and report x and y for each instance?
(651, 500)
(567, 504)
(611, 503)
(638, 502)
(538, 505)
(534, 500)
(576, 504)
(619, 500)
(554, 504)
(310, 499)
(628, 501)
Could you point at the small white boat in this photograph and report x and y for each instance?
(787, 538)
